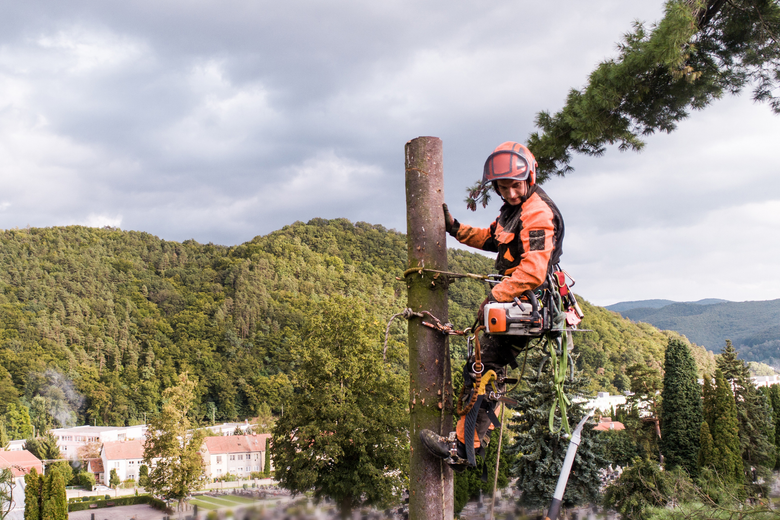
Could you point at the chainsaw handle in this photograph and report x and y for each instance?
(534, 304)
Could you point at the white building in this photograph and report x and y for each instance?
(760, 381)
(229, 428)
(126, 457)
(70, 440)
(603, 401)
(238, 455)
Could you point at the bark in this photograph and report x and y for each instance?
(430, 384)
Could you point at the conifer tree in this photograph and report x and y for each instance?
(754, 418)
(469, 483)
(267, 461)
(706, 452)
(696, 53)
(681, 409)
(725, 433)
(32, 495)
(57, 496)
(773, 395)
(539, 453)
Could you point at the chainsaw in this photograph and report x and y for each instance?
(525, 316)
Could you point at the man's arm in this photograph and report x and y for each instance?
(537, 235)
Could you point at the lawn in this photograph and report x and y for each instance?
(211, 503)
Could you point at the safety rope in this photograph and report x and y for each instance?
(558, 365)
(421, 270)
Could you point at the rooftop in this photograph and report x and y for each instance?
(120, 450)
(236, 443)
(20, 462)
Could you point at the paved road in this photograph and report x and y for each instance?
(138, 512)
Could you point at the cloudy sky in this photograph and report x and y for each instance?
(220, 121)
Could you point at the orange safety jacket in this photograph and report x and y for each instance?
(528, 239)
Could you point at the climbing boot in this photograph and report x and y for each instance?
(448, 448)
(437, 445)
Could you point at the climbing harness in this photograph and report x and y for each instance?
(549, 314)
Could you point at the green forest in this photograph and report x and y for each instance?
(96, 323)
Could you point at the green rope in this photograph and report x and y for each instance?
(559, 366)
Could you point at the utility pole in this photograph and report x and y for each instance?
(430, 383)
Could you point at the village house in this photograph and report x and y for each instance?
(126, 457)
(238, 455)
(95, 466)
(71, 440)
(21, 462)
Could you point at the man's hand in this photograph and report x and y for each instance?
(450, 224)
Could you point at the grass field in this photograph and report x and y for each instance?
(211, 503)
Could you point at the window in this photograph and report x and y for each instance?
(257, 468)
(219, 471)
(241, 457)
(219, 459)
(116, 464)
(132, 463)
(232, 457)
(241, 469)
(131, 476)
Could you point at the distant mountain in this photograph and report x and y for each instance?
(753, 327)
(655, 304)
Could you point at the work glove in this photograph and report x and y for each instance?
(450, 224)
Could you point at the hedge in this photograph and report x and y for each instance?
(121, 501)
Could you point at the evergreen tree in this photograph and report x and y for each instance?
(726, 458)
(644, 485)
(348, 412)
(469, 483)
(708, 400)
(774, 399)
(539, 453)
(267, 461)
(646, 387)
(706, 453)
(143, 475)
(57, 496)
(698, 51)
(113, 479)
(32, 495)
(681, 409)
(754, 418)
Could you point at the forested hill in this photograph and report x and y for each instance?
(753, 327)
(95, 323)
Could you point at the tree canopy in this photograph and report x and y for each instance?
(344, 433)
(699, 51)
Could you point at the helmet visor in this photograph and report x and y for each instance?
(505, 165)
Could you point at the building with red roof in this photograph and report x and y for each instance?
(606, 424)
(126, 457)
(20, 462)
(238, 455)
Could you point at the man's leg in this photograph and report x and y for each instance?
(493, 358)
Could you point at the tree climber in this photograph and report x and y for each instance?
(527, 237)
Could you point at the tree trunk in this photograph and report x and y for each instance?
(430, 384)
(345, 507)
